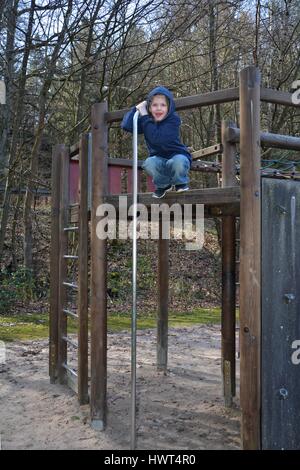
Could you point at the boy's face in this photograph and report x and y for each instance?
(159, 107)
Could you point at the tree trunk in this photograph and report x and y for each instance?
(27, 215)
(7, 65)
(16, 125)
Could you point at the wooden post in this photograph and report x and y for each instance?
(63, 248)
(228, 273)
(250, 257)
(54, 264)
(83, 272)
(98, 270)
(163, 300)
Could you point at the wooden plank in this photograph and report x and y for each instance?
(212, 150)
(74, 149)
(206, 167)
(54, 264)
(277, 97)
(207, 196)
(83, 396)
(163, 301)
(228, 273)
(280, 314)
(73, 181)
(188, 102)
(250, 257)
(115, 180)
(63, 249)
(123, 162)
(98, 271)
(269, 140)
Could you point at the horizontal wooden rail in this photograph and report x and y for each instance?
(123, 162)
(211, 196)
(217, 201)
(277, 97)
(270, 140)
(188, 102)
(215, 97)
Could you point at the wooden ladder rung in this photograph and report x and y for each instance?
(71, 284)
(69, 312)
(69, 369)
(70, 341)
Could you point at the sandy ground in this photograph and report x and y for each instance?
(182, 410)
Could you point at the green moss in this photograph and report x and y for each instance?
(27, 327)
(34, 326)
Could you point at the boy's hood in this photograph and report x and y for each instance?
(160, 90)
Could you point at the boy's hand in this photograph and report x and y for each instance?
(142, 108)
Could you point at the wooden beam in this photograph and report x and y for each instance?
(268, 139)
(83, 395)
(188, 102)
(228, 273)
(212, 150)
(207, 196)
(197, 165)
(98, 270)
(123, 162)
(277, 97)
(214, 97)
(206, 167)
(250, 257)
(217, 201)
(74, 150)
(54, 263)
(163, 301)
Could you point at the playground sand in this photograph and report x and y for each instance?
(181, 410)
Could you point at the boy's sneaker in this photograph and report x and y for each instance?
(181, 187)
(160, 192)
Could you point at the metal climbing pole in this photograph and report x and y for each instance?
(134, 264)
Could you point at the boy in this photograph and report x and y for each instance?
(169, 160)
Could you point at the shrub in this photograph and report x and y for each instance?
(16, 287)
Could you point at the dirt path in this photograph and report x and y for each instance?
(183, 410)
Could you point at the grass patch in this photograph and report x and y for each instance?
(27, 327)
(36, 326)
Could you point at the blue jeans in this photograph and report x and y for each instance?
(166, 172)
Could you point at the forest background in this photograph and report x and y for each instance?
(59, 57)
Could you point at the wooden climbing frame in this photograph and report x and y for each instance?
(108, 176)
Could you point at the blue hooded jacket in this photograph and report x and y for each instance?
(163, 137)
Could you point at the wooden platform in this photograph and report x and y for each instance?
(217, 202)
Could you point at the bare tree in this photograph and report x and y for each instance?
(18, 116)
(38, 135)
